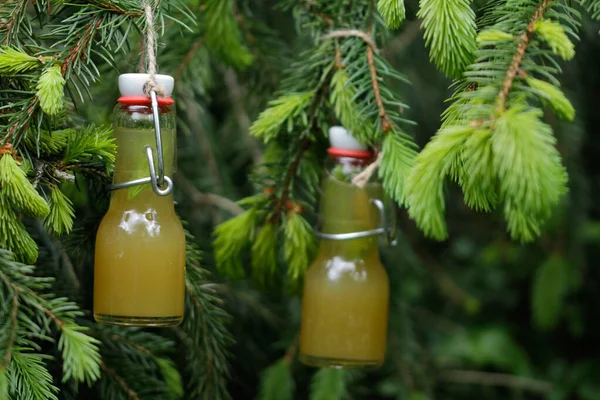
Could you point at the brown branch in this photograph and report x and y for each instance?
(445, 283)
(309, 4)
(111, 6)
(290, 353)
(15, 16)
(366, 37)
(21, 124)
(496, 379)
(208, 198)
(53, 317)
(120, 381)
(84, 41)
(515, 65)
(138, 347)
(187, 59)
(236, 96)
(289, 177)
(386, 123)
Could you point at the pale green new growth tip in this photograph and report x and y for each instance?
(554, 97)
(425, 184)
(299, 244)
(16, 189)
(450, 32)
(514, 162)
(50, 90)
(280, 111)
(554, 34)
(13, 61)
(231, 238)
(264, 253)
(392, 11)
(60, 218)
(493, 35)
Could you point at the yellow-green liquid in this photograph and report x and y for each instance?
(346, 289)
(139, 272)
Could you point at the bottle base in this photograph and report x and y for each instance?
(126, 320)
(340, 363)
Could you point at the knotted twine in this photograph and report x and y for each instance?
(150, 44)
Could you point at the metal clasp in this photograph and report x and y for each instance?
(161, 184)
(389, 233)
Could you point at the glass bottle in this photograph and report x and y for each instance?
(346, 289)
(139, 273)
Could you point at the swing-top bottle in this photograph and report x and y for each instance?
(346, 289)
(139, 275)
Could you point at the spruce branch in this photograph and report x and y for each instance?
(385, 119)
(205, 332)
(223, 34)
(283, 202)
(29, 377)
(111, 373)
(79, 351)
(519, 55)
(490, 103)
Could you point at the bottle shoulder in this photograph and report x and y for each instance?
(337, 268)
(121, 222)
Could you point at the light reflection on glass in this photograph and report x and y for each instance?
(132, 219)
(337, 267)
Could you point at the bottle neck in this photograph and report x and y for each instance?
(132, 163)
(346, 208)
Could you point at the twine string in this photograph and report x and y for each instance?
(150, 40)
(363, 178)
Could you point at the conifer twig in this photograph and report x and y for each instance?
(290, 353)
(351, 32)
(84, 41)
(307, 4)
(199, 197)
(497, 379)
(515, 64)
(120, 381)
(386, 124)
(291, 172)
(187, 59)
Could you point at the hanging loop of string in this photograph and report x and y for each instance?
(162, 185)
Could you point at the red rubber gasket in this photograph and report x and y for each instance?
(143, 100)
(362, 154)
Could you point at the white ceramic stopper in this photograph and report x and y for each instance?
(341, 138)
(133, 84)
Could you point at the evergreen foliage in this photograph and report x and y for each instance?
(450, 31)
(521, 156)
